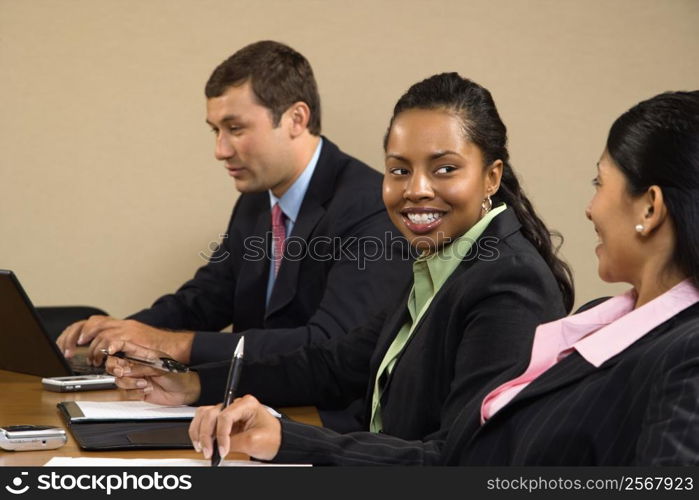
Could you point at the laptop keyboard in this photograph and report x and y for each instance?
(80, 366)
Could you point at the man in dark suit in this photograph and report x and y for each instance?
(309, 250)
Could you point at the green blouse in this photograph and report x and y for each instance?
(429, 274)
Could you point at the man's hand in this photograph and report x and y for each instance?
(144, 383)
(101, 331)
(73, 336)
(245, 427)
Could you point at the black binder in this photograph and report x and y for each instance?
(125, 435)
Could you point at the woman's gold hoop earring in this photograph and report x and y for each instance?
(487, 205)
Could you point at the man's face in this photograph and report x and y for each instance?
(255, 152)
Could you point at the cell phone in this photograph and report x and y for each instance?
(78, 383)
(31, 437)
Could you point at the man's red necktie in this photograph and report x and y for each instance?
(278, 236)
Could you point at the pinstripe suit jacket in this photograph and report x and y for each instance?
(640, 407)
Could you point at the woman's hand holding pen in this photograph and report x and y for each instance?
(246, 426)
(145, 383)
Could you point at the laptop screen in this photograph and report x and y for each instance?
(24, 344)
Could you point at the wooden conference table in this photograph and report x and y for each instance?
(24, 401)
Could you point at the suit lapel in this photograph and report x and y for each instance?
(388, 333)
(320, 190)
(253, 274)
(567, 371)
(286, 282)
(501, 227)
(571, 370)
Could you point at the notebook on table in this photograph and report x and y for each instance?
(120, 425)
(25, 345)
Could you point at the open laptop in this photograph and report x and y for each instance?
(25, 345)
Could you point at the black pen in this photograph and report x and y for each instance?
(231, 389)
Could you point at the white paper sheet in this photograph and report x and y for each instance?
(153, 462)
(137, 410)
(131, 410)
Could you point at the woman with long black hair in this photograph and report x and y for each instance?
(487, 275)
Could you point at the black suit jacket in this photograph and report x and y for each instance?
(640, 407)
(480, 324)
(331, 284)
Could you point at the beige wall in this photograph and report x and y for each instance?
(109, 189)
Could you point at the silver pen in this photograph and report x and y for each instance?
(164, 363)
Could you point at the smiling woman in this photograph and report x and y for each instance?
(435, 182)
(616, 384)
(463, 321)
(615, 214)
(448, 127)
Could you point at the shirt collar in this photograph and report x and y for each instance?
(290, 202)
(441, 264)
(631, 324)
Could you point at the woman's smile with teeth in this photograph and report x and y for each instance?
(423, 218)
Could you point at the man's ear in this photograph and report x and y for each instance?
(298, 115)
(493, 176)
(654, 211)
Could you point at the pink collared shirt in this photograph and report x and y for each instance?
(597, 334)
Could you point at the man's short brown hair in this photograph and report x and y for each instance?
(279, 77)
